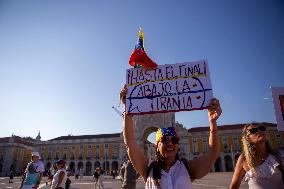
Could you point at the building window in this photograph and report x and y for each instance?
(278, 139)
(89, 154)
(80, 156)
(72, 156)
(205, 147)
(195, 151)
(115, 151)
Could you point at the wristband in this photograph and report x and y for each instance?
(212, 131)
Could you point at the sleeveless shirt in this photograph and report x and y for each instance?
(176, 178)
(268, 175)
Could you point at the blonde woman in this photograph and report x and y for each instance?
(260, 164)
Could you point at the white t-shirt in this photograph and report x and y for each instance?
(176, 178)
(56, 178)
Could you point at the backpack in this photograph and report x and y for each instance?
(152, 163)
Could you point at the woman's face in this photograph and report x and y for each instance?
(256, 134)
(35, 159)
(168, 146)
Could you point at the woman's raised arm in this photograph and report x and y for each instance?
(135, 153)
(202, 165)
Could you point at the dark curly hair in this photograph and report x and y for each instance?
(159, 164)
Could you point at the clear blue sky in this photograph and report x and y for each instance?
(62, 63)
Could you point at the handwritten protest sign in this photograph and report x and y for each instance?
(278, 101)
(168, 88)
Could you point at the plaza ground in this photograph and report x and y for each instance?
(211, 181)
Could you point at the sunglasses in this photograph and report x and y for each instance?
(166, 140)
(256, 130)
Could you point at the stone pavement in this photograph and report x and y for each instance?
(211, 181)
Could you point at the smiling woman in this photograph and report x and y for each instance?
(167, 170)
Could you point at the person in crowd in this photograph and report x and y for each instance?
(121, 172)
(60, 177)
(51, 173)
(77, 173)
(68, 182)
(101, 178)
(11, 177)
(112, 172)
(129, 176)
(167, 171)
(96, 176)
(81, 173)
(33, 173)
(260, 164)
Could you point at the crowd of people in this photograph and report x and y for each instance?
(260, 165)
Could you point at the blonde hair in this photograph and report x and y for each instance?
(251, 155)
(249, 148)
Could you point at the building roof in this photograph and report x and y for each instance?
(17, 140)
(4, 139)
(71, 137)
(227, 127)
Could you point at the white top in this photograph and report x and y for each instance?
(176, 178)
(268, 175)
(56, 178)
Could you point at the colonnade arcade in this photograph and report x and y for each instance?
(88, 167)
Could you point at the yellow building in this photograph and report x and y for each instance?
(15, 153)
(230, 139)
(84, 152)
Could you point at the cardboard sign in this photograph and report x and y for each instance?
(168, 88)
(278, 101)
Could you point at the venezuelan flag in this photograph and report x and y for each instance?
(139, 57)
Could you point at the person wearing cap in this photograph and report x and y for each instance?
(60, 177)
(33, 173)
(167, 171)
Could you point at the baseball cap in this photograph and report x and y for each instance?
(36, 154)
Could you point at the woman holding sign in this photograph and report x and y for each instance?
(167, 171)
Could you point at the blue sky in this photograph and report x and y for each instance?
(62, 63)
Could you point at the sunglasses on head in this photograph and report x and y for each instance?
(166, 140)
(256, 130)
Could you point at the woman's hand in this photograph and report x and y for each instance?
(122, 95)
(214, 110)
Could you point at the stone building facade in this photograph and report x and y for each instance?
(15, 153)
(86, 152)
